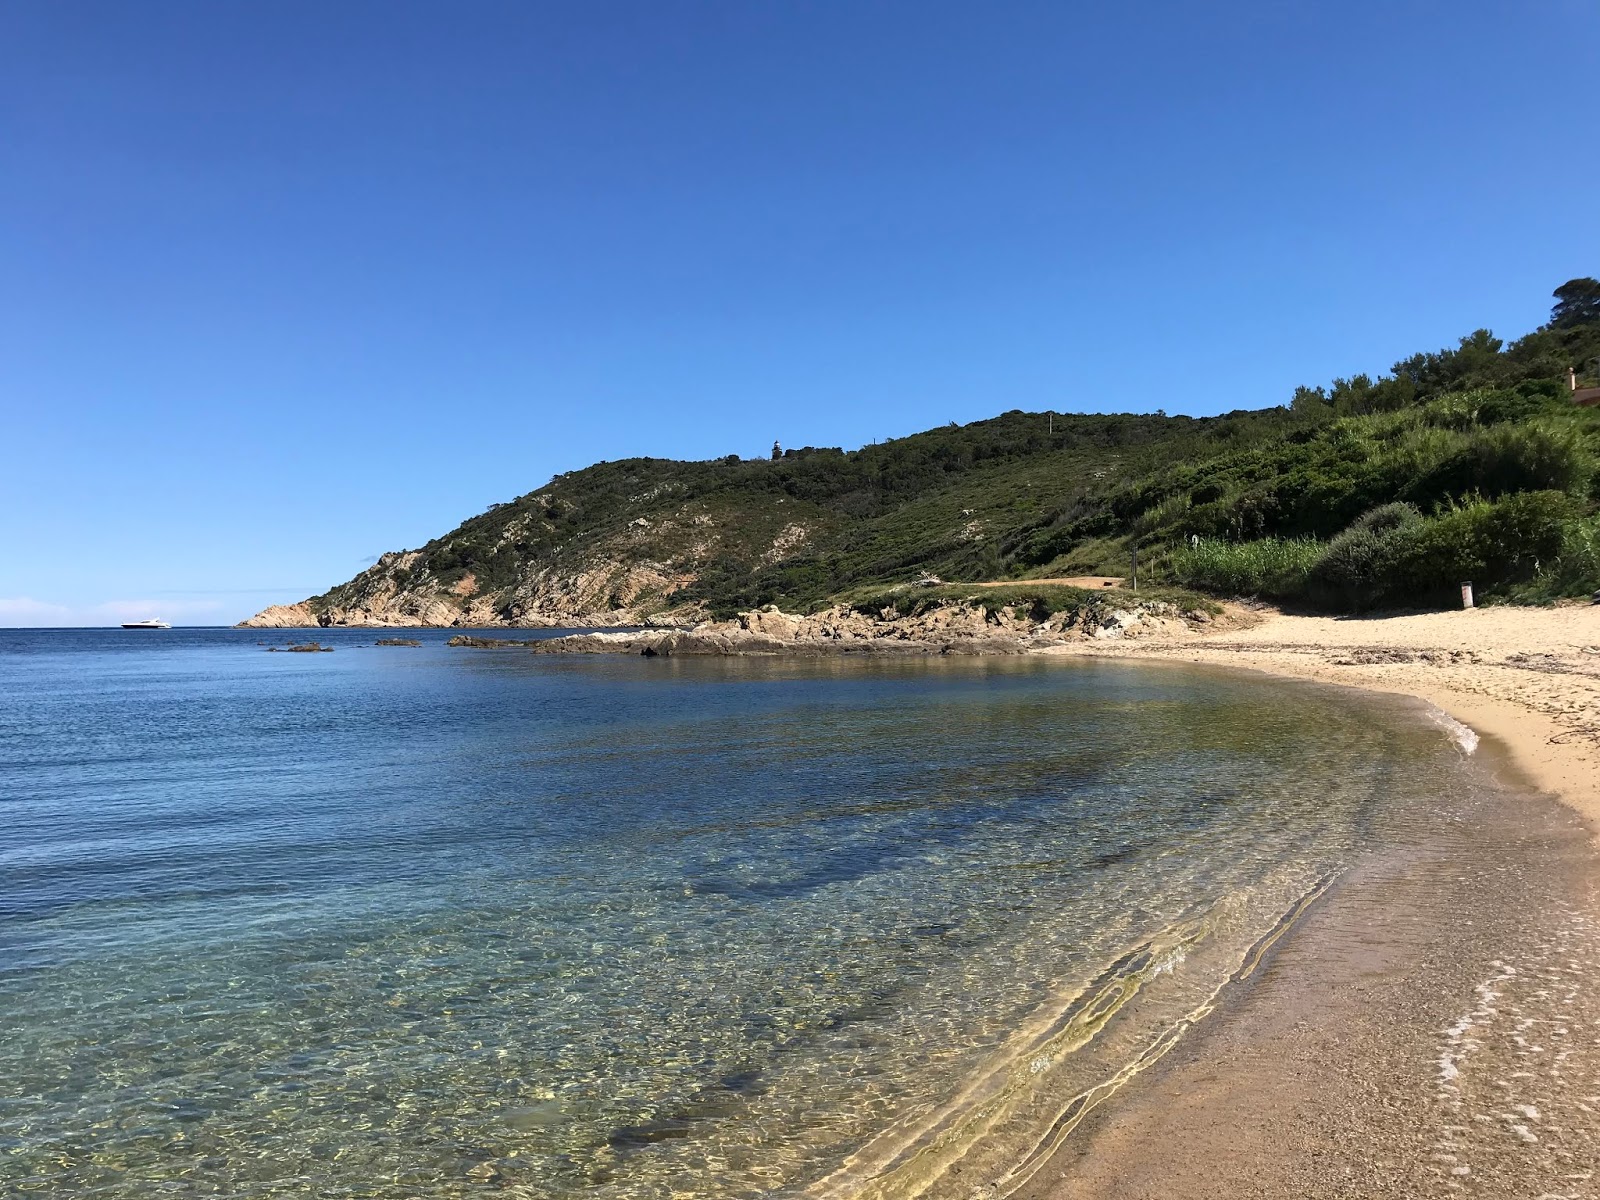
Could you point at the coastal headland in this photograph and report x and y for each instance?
(1474, 462)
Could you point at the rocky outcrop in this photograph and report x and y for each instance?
(393, 594)
(951, 628)
(283, 616)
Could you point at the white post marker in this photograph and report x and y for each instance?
(1466, 594)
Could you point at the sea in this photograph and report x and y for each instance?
(431, 921)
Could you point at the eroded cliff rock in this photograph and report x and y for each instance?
(283, 616)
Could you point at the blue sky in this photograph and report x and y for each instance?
(284, 286)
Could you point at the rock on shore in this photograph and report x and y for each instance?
(955, 628)
(282, 616)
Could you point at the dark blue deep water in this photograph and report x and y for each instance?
(433, 921)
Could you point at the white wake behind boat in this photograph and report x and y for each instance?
(151, 624)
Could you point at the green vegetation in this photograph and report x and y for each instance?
(1274, 567)
(1037, 600)
(1466, 463)
(1394, 556)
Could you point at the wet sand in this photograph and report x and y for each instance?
(1432, 1026)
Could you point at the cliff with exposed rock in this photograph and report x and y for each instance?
(1467, 463)
(654, 541)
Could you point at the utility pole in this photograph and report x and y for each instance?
(1135, 568)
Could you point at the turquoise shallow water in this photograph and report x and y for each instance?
(436, 922)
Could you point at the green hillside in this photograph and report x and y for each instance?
(1471, 462)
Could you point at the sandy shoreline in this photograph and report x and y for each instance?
(1431, 1028)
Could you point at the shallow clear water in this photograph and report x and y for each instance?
(441, 922)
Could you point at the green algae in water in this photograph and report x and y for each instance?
(460, 925)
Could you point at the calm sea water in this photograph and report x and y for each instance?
(438, 922)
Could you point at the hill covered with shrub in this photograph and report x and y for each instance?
(1465, 463)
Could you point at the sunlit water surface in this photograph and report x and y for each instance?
(438, 922)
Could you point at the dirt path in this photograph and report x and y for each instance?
(1077, 581)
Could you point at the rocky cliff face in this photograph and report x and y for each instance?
(614, 544)
(391, 595)
(283, 616)
(615, 582)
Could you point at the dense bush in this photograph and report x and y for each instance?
(1353, 571)
(1505, 459)
(1495, 543)
(1575, 571)
(1395, 556)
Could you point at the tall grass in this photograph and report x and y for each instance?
(1575, 571)
(1274, 567)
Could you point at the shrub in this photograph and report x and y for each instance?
(1394, 555)
(1357, 568)
(1505, 459)
(1575, 571)
(1493, 406)
(1494, 543)
(1525, 401)
(1386, 518)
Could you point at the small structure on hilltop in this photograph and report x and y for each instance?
(1585, 394)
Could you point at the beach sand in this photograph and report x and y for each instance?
(1433, 1026)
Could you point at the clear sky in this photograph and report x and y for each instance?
(285, 285)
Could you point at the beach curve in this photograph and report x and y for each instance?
(1421, 1034)
(1528, 677)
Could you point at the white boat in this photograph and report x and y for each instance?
(151, 624)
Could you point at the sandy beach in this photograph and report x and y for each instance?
(1529, 677)
(1430, 1028)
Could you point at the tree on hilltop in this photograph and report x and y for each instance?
(1577, 303)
